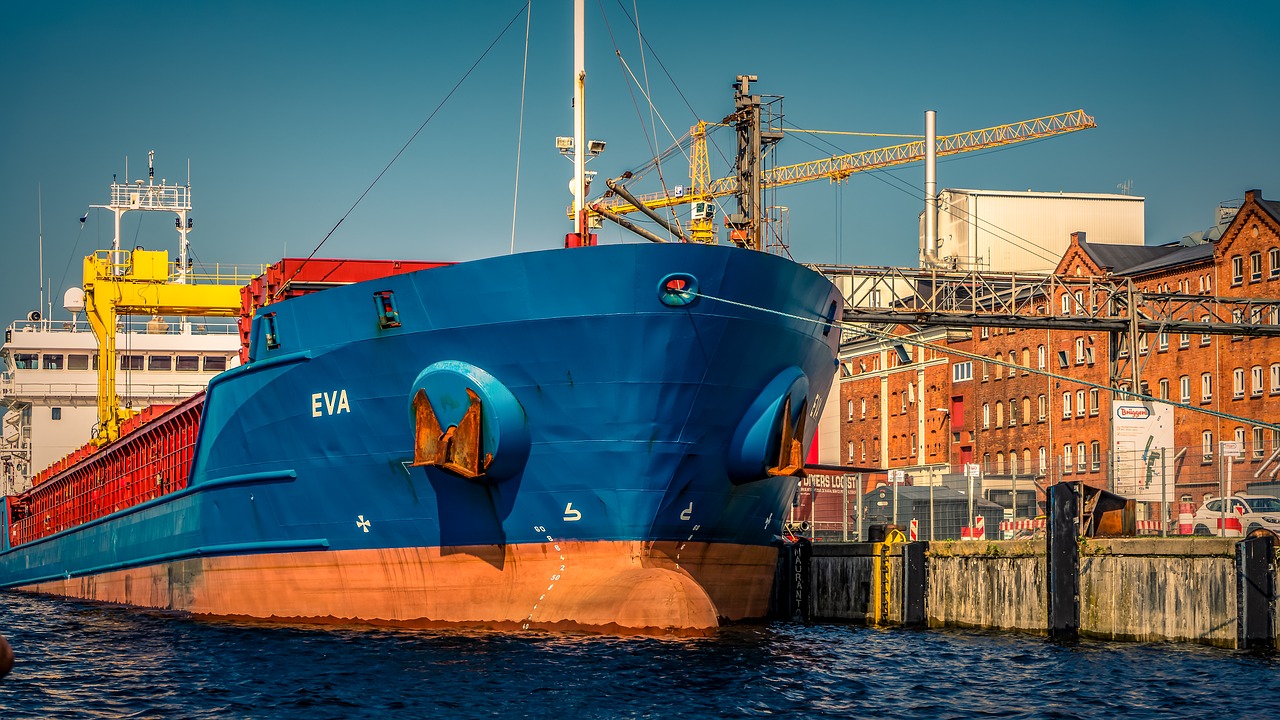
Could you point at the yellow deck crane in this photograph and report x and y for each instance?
(744, 228)
(143, 282)
(138, 283)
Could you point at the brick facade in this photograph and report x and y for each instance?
(1017, 422)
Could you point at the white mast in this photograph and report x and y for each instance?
(150, 196)
(579, 123)
(40, 221)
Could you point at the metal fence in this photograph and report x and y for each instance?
(1010, 500)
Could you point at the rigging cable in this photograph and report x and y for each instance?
(400, 152)
(524, 75)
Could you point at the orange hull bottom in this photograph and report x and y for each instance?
(610, 587)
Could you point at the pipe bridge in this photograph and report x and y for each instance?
(966, 299)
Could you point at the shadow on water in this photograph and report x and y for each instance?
(90, 661)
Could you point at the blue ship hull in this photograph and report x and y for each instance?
(626, 435)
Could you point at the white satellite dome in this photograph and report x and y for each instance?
(73, 300)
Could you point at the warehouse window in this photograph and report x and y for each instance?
(1066, 404)
(1255, 266)
(1237, 383)
(1093, 401)
(1237, 271)
(1184, 388)
(1082, 458)
(1095, 453)
(1255, 381)
(1275, 378)
(1274, 254)
(1206, 446)
(1206, 387)
(1043, 407)
(1066, 459)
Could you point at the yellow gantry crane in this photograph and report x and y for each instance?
(138, 283)
(703, 191)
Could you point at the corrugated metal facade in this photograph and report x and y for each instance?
(1028, 231)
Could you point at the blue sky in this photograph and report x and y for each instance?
(287, 112)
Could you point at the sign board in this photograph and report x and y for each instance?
(972, 470)
(1233, 449)
(1142, 450)
(915, 530)
(897, 477)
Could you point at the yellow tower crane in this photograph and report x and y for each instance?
(703, 191)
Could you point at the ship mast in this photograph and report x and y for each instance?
(150, 196)
(578, 146)
(579, 121)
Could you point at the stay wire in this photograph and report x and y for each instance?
(408, 142)
(524, 76)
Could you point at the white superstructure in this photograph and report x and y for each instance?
(1009, 231)
(48, 386)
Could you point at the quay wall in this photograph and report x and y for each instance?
(1136, 589)
(992, 585)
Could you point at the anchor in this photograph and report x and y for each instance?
(456, 449)
(791, 444)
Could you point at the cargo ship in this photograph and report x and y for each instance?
(598, 438)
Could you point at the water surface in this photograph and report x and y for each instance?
(80, 660)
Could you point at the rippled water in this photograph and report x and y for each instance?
(86, 661)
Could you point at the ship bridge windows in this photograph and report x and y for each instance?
(131, 362)
(188, 363)
(215, 363)
(26, 361)
(77, 362)
(160, 363)
(52, 362)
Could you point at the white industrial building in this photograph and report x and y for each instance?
(1007, 231)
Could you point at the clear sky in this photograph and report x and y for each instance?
(288, 111)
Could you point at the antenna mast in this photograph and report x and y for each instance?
(148, 195)
(40, 222)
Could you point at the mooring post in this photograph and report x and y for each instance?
(1255, 593)
(1062, 554)
(914, 583)
(790, 600)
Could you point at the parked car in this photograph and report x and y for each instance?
(1245, 514)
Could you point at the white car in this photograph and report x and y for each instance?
(1245, 514)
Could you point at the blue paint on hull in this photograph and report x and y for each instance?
(630, 407)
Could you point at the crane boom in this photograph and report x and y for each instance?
(840, 167)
